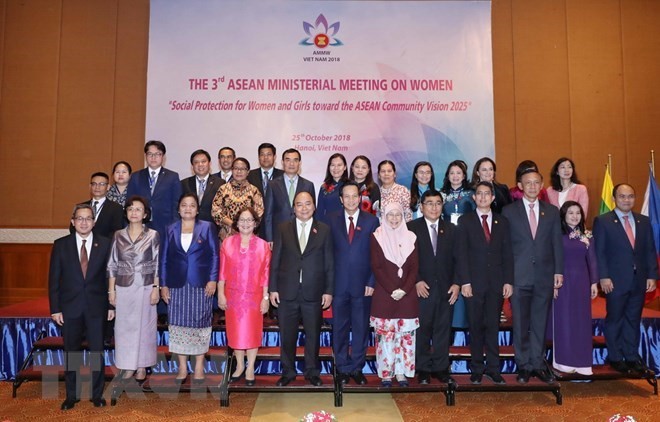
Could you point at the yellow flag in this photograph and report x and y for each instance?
(606, 199)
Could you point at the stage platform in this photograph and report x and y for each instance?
(22, 323)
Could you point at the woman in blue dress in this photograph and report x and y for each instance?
(369, 190)
(457, 198)
(335, 175)
(423, 179)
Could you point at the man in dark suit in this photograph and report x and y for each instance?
(538, 255)
(485, 271)
(301, 285)
(204, 184)
(108, 215)
(436, 289)
(354, 283)
(281, 191)
(226, 156)
(160, 186)
(261, 176)
(77, 291)
(627, 268)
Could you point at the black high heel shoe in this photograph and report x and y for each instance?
(238, 378)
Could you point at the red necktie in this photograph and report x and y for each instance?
(84, 260)
(629, 231)
(351, 230)
(484, 224)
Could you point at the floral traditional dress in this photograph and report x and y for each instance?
(231, 198)
(114, 195)
(369, 197)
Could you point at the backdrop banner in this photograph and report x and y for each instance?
(405, 81)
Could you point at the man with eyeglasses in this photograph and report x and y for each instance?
(485, 271)
(158, 185)
(77, 292)
(108, 215)
(436, 289)
(203, 183)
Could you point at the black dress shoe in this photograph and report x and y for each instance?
(637, 366)
(315, 380)
(619, 366)
(443, 377)
(251, 382)
(99, 402)
(283, 381)
(523, 376)
(475, 378)
(68, 404)
(495, 377)
(359, 378)
(343, 378)
(544, 375)
(423, 377)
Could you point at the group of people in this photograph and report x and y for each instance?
(408, 262)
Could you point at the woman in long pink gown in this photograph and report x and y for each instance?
(243, 291)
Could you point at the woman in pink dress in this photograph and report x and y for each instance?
(243, 291)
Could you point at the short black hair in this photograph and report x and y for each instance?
(198, 152)
(349, 183)
(233, 153)
(100, 174)
(292, 151)
(158, 144)
(485, 184)
(430, 192)
(267, 145)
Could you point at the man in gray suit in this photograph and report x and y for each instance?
(538, 269)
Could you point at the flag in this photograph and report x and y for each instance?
(651, 208)
(606, 199)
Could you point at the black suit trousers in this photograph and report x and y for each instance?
(434, 332)
(289, 315)
(484, 309)
(74, 331)
(530, 306)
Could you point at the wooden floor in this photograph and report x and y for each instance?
(595, 401)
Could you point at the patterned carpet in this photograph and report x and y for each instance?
(582, 402)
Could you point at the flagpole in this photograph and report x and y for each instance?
(609, 163)
(653, 163)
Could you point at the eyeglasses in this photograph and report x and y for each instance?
(154, 154)
(99, 184)
(239, 168)
(425, 172)
(83, 219)
(246, 220)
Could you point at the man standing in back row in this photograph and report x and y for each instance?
(627, 268)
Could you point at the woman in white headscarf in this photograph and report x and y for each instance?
(395, 308)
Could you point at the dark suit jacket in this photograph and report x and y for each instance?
(256, 177)
(277, 207)
(536, 260)
(164, 200)
(213, 183)
(111, 219)
(486, 266)
(353, 260)
(68, 291)
(436, 270)
(198, 265)
(616, 258)
(316, 262)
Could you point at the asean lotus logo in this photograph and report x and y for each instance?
(321, 34)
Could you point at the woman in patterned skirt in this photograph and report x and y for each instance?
(189, 276)
(234, 196)
(395, 306)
